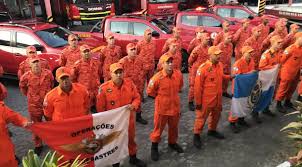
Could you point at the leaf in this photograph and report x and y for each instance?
(295, 125)
(295, 136)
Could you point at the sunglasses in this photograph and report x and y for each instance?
(133, 49)
(31, 52)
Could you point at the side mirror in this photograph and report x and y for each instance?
(39, 47)
(155, 34)
(251, 17)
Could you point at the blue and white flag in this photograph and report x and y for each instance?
(253, 91)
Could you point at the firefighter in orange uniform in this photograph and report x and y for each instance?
(255, 43)
(264, 27)
(71, 53)
(175, 53)
(134, 69)
(24, 66)
(108, 55)
(290, 38)
(198, 56)
(280, 30)
(240, 36)
(208, 95)
(86, 72)
(242, 66)
(109, 97)
(67, 100)
(291, 61)
(225, 29)
(146, 50)
(175, 38)
(7, 115)
(165, 87)
(35, 84)
(197, 40)
(226, 47)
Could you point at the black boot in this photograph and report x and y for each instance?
(234, 127)
(116, 165)
(255, 116)
(268, 112)
(197, 141)
(215, 134)
(176, 147)
(280, 108)
(154, 152)
(288, 104)
(191, 106)
(38, 150)
(137, 162)
(242, 122)
(225, 94)
(139, 118)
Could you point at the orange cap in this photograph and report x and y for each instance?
(31, 60)
(165, 58)
(214, 50)
(110, 35)
(84, 47)
(71, 37)
(130, 46)
(116, 66)
(246, 49)
(275, 38)
(31, 48)
(62, 71)
(199, 29)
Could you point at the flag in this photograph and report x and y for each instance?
(253, 91)
(102, 138)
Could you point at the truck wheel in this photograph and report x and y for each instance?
(185, 64)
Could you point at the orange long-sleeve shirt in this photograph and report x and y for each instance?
(109, 56)
(146, 51)
(69, 56)
(194, 43)
(269, 59)
(24, 66)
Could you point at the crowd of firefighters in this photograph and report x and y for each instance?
(79, 91)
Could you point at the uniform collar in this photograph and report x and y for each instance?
(61, 92)
(165, 74)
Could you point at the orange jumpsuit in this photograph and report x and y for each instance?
(225, 59)
(24, 66)
(109, 56)
(87, 74)
(109, 97)
(166, 90)
(219, 38)
(59, 105)
(69, 56)
(264, 31)
(168, 41)
(134, 69)
(241, 66)
(35, 87)
(198, 56)
(146, 51)
(208, 93)
(254, 43)
(266, 43)
(239, 38)
(7, 158)
(194, 43)
(269, 59)
(177, 61)
(291, 61)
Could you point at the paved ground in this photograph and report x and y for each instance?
(259, 146)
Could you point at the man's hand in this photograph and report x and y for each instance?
(27, 124)
(130, 107)
(198, 107)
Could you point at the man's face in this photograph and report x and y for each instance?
(257, 33)
(247, 56)
(199, 35)
(246, 24)
(173, 47)
(86, 53)
(73, 42)
(65, 82)
(131, 51)
(117, 76)
(226, 26)
(35, 66)
(277, 44)
(111, 40)
(168, 65)
(148, 36)
(31, 53)
(176, 33)
(206, 39)
(215, 58)
(295, 29)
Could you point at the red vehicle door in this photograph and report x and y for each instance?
(6, 58)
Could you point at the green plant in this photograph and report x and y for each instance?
(50, 160)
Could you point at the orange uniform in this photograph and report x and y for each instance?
(269, 59)
(198, 56)
(109, 97)
(264, 31)
(109, 56)
(194, 43)
(291, 61)
(241, 66)
(69, 56)
(208, 93)
(134, 69)
(35, 87)
(225, 59)
(165, 89)
(87, 74)
(24, 66)
(146, 51)
(239, 38)
(219, 38)
(288, 40)
(59, 105)
(169, 41)
(254, 43)
(7, 158)
(266, 42)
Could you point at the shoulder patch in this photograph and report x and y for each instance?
(109, 90)
(235, 68)
(263, 57)
(285, 52)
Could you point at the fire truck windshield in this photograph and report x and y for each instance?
(161, 25)
(163, 1)
(54, 37)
